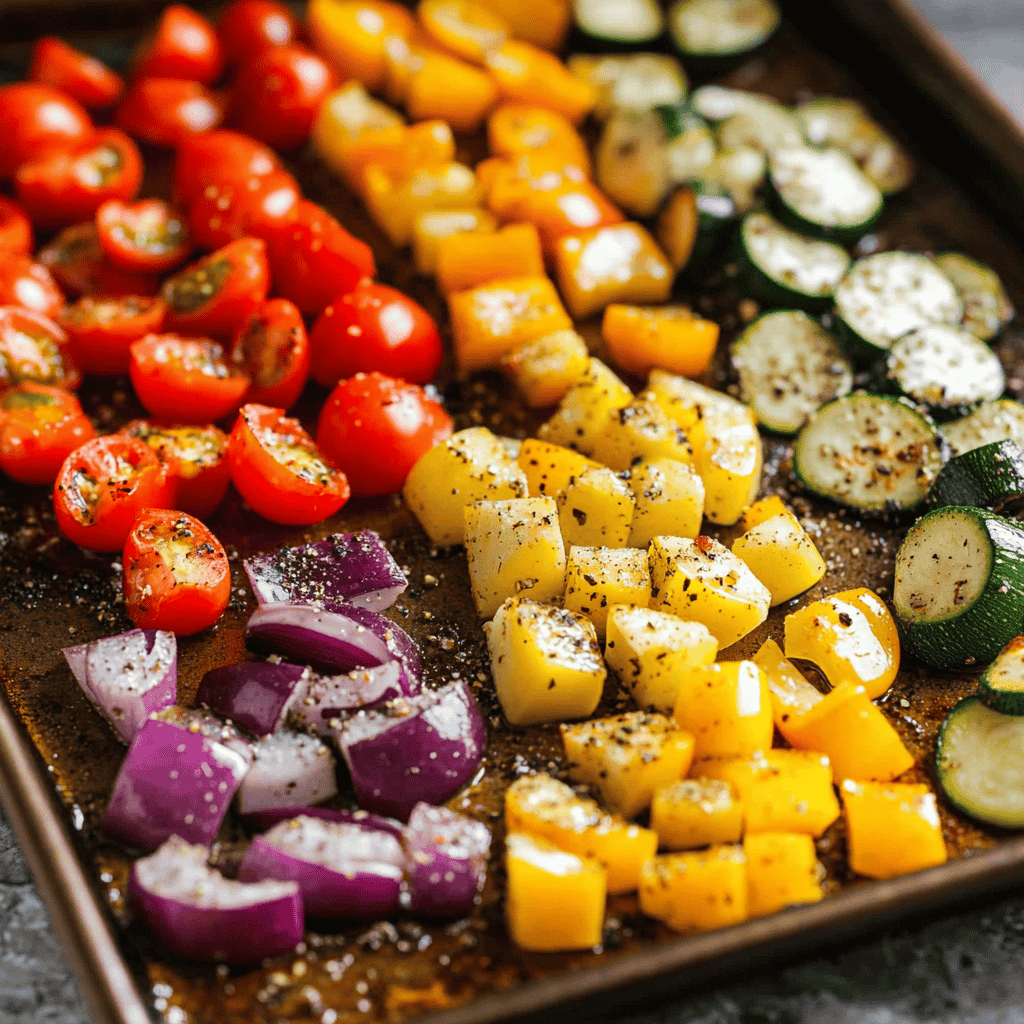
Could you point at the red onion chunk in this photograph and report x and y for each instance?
(343, 870)
(196, 912)
(398, 642)
(422, 748)
(263, 820)
(173, 782)
(205, 723)
(353, 568)
(254, 694)
(327, 699)
(290, 768)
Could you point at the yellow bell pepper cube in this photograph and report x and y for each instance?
(586, 409)
(549, 467)
(850, 636)
(789, 692)
(527, 74)
(598, 577)
(640, 430)
(781, 555)
(541, 882)
(651, 651)
(696, 891)
(517, 128)
(782, 870)
(627, 758)
(891, 828)
(429, 228)
(467, 260)
(496, 318)
(427, 145)
(447, 88)
(543, 370)
(761, 510)
(595, 510)
(696, 812)
(726, 708)
(545, 662)
(673, 338)
(462, 27)
(542, 806)
(541, 22)
(669, 501)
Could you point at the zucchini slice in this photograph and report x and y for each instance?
(978, 760)
(739, 173)
(991, 476)
(722, 28)
(946, 369)
(693, 223)
(987, 310)
(630, 162)
(719, 102)
(631, 81)
(619, 21)
(765, 128)
(875, 453)
(788, 367)
(689, 144)
(959, 590)
(1001, 686)
(783, 268)
(991, 421)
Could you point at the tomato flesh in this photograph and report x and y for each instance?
(79, 265)
(148, 236)
(28, 284)
(168, 111)
(273, 349)
(33, 349)
(101, 330)
(248, 27)
(183, 45)
(39, 428)
(37, 122)
(80, 76)
(15, 227)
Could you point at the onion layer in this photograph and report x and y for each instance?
(263, 820)
(326, 699)
(289, 768)
(254, 694)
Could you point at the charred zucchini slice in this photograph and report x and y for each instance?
(987, 310)
(722, 28)
(991, 421)
(619, 21)
(630, 81)
(991, 476)
(1001, 686)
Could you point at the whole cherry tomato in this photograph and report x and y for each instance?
(37, 121)
(376, 427)
(39, 427)
(34, 349)
(79, 265)
(375, 327)
(273, 349)
(216, 295)
(15, 227)
(70, 186)
(183, 45)
(101, 487)
(83, 78)
(148, 235)
(185, 380)
(248, 27)
(228, 211)
(167, 111)
(176, 573)
(101, 329)
(218, 158)
(280, 472)
(314, 260)
(26, 283)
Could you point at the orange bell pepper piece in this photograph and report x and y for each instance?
(541, 22)
(450, 89)
(531, 75)
(782, 869)
(463, 28)
(672, 338)
(429, 144)
(470, 259)
(515, 129)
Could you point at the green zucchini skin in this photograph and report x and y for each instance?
(1001, 686)
(722, 57)
(990, 477)
(987, 310)
(646, 24)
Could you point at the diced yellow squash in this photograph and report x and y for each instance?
(696, 812)
(640, 430)
(782, 869)
(696, 891)
(542, 806)
(703, 581)
(627, 758)
(669, 501)
(586, 409)
(761, 510)
(541, 882)
(596, 509)
(514, 549)
(545, 662)
(789, 692)
(430, 227)
(544, 369)
(649, 651)
(550, 467)
(597, 578)
(471, 465)
(781, 555)
(467, 261)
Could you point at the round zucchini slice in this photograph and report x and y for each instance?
(788, 367)
(991, 421)
(619, 21)
(630, 163)
(991, 476)
(987, 310)
(875, 453)
(631, 81)
(693, 223)
(1001, 686)
(959, 590)
(764, 128)
(719, 102)
(740, 173)
(722, 28)
(689, 144)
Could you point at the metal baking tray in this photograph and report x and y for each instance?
(58, 759)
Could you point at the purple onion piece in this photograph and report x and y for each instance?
(343, 870)
(398, 642)
(173, 782)
(205, 723)
(263, 820)
(422, 748)
(447, 861)
(354, 568)
(196, 912)
(326, 699)
(255, 694)
(289, 768)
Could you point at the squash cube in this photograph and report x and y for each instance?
(673, 338)
(782, 869)
(669, 501)
(789, 692)
(595, 510)
(597, 578)
(585, 410)
(640, 430)
(430, 228)
(543, 370)
(781, 555)
(549, 467)
(466, 261)
(696, 812)
(696, 891)
(761, 510)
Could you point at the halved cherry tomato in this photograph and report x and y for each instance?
(248, 27)
(101, 487)
(101, 329)
(82, 77)
(217, 158)
(70, 186)
(273, 349)
(40, 427)
(37, 121)
(227, 211)
(185, 380)
(167, 111)
(23, 282)
(15, 227)
(148, 235)
(313, 259)
(183, 45)
(375, 327)
(195, 460)
(280, 472)
(216, 295)
(33, 348)
(375, 427)
(80, 266)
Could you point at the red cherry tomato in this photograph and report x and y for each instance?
(101, 487)
(216, 295)
(70, 186)
(34, 349)
(38, 121)
(176, 573)
(218, 158)
(79, 265)
(194, 459)
(228, 211)
(185, 380)
(148, 235)
(280, 472)
(40, 427)
(273, 349)
(26, 283)
(376, 427)
(15, 227)
(101, 330)
(167, 111)
(83, 78)
(183, 45)
(313, 259)
(248, 27)
(375, 327)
